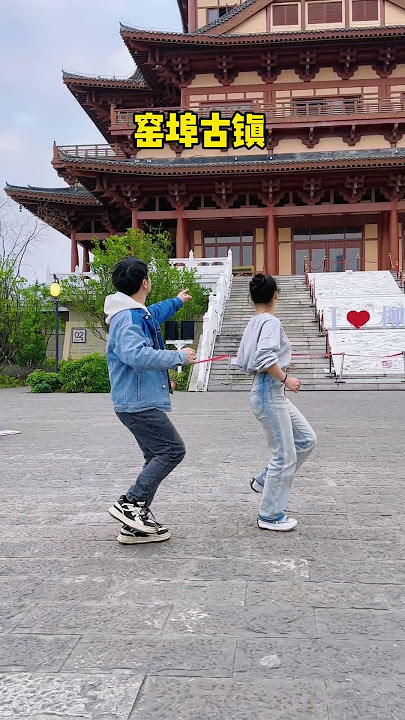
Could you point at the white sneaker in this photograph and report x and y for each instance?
(129, 536)
(284, 525)
(136, 515)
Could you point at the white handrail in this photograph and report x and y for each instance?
(212, 323)
(66, 276)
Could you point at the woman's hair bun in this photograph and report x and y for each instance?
(262, 288)
(259, 280)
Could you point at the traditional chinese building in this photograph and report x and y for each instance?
(329, 76)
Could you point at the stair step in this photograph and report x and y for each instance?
(296, 313)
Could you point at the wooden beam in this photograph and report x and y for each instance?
(384, 245)
(280, 212)
(180, 235)
(134, 219)
(74, 252)
(271, 243)
(192, 15)
(86, 259)
(394, 233)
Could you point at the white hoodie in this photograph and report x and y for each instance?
(119, 301)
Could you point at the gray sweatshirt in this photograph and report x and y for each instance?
(263, 344)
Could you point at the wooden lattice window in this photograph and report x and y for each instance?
(324, 12)
(286, 14)
(364, 10)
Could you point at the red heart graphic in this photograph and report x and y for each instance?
(358, 319)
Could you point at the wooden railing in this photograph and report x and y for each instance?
(292, 111)
(93, 151)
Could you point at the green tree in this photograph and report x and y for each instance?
(11, 312)
(88, 295)
(36, 325)
(26, 319)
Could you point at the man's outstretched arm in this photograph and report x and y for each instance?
(164, 310)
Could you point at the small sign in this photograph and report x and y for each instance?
(78, 335)
(387, 363)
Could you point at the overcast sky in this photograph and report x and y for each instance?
(39, 38)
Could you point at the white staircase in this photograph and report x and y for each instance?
(296, 313)
(309, 362)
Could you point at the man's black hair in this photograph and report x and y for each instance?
(128, 274)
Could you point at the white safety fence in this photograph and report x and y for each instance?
(363, 317)
(213, 318)
(368, 353)
(216, 274)
(65, 276)
(209, 270)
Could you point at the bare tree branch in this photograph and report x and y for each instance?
(20, 234)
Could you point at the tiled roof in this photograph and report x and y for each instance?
(235, 163)
(283, 37)
(64, 193)
(136, 78)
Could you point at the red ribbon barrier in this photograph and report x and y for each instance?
(213, 359)
(323, 355)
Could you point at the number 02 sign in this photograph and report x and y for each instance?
(78, 335)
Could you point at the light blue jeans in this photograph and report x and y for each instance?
(290, 438)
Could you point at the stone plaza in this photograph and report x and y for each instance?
(224, 621)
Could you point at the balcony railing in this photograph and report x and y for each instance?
(92, 151)
(315, 109)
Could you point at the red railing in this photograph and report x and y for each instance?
(291, 111)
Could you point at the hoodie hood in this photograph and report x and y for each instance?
(119, 301)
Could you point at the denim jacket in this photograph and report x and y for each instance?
(136, 364)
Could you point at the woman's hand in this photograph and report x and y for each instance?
(293, 384)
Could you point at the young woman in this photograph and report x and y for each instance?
(266, 352)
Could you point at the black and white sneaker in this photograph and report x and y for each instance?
(128, 536)
(136, 515)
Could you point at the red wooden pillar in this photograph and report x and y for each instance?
(394, 234)
(187, 239)
(86, 259)
(180, 235)
(134, 219)
(271, 243)
(74, 252)
(384, 246)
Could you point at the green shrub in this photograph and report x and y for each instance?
(10, 382)
(88, 374)
(43, 382)
(181, 378)
(48, 365)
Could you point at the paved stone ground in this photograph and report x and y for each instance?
(224, 622)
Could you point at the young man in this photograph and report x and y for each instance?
(138, 367)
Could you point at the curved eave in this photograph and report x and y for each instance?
(140, 56)
(51, 195)
(257, 164)
(93, 83)
(133, 35)
(183, 10)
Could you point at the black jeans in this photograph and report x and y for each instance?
(162, 447)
